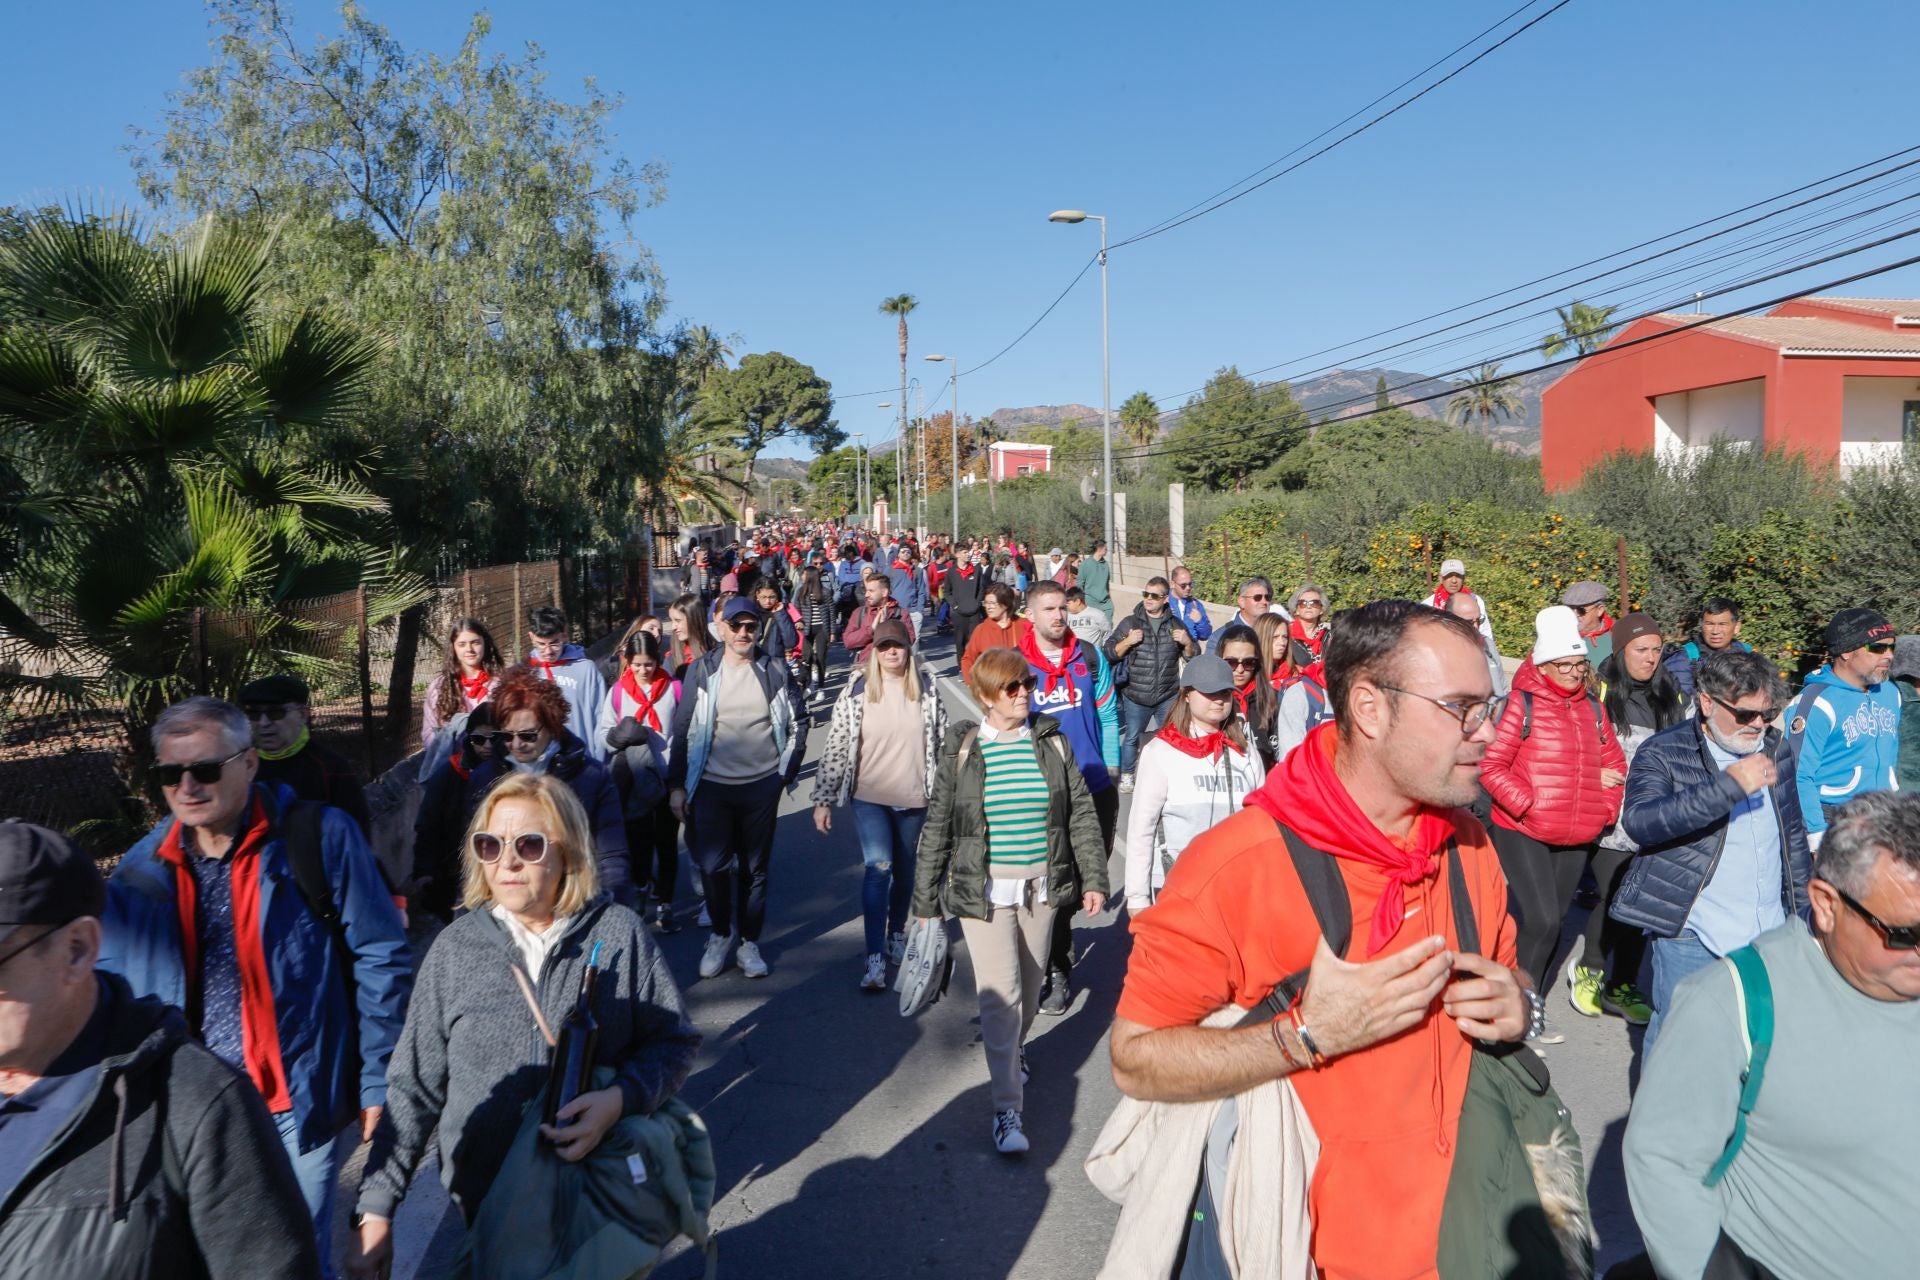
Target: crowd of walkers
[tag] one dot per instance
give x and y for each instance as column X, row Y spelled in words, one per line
column 1352, row 846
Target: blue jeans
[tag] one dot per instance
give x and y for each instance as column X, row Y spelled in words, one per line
column 1674, row 960
column 318, row 1173
column 889, row 838
column 1135, row 721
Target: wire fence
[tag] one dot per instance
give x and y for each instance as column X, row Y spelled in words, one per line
column 75, row 768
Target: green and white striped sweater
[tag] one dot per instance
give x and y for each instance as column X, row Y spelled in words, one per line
column 1016, row 803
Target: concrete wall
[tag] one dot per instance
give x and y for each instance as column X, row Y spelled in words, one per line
column 1870, row 418
column 1686, row 421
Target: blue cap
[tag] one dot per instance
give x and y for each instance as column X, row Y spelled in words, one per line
column 739, row 607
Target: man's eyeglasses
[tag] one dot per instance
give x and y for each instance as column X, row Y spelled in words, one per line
column 1471, row 715
column 528, row 846
column 270, row 711
column 205, row 772
column 1153, row 595
column 1257, row 599
column 507, row 737
column 1744, row 715
column 1898, row 937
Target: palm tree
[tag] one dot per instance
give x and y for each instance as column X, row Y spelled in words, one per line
column 1139, row 419
column 899, row 305
column 1584, row 328
column 159, row 427
column 693, row 477
column 701, row 351
column 1488, row 397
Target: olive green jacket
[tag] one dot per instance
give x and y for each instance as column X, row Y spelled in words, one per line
column 953, row 844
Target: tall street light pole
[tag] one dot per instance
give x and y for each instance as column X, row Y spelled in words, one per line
column 1106, row 368
column 953, row 436
column 859, row 470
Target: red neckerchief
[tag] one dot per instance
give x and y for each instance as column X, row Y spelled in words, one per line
column 542, row 665
column 1240, row 696
column 1315, row 642
column 1606, row 625
column 1281, row 678
column 1441, row 595
column 902, row 564
column 645, row 700
column 1307, row 795
column 475, row 690
column 966, row 571
column 1030, row 650
column 1207, row 748
column 1316, row 672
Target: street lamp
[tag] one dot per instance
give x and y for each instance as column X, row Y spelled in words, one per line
column 1071, row 216
column 954, row 441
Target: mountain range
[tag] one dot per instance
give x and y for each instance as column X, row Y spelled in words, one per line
column 1338, row 393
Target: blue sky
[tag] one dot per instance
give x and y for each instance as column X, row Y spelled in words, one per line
column 823, row 156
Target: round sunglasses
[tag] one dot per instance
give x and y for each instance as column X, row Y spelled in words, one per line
column 528, row 846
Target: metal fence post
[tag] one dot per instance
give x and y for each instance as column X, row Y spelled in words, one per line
column 365, row 664
column 519, row 632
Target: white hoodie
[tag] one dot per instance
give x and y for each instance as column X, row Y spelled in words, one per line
column 1176, row 797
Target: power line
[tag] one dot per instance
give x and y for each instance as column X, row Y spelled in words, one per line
column 1351, row 134
column 1213, row 439
column 1352, row 115
column 1562, row 288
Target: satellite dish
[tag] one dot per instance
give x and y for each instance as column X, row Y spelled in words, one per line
column 1086, row 489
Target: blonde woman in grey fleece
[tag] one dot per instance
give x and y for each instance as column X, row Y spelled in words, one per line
column 472, row 1055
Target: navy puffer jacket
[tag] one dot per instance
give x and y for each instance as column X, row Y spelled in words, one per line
column 1678, row 802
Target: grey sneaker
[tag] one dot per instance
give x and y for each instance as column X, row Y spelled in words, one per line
column 714, row 958
column 1009, row 1137
column 1058, row 997
column 896, row 947
column 752, row 964
column 876, row 976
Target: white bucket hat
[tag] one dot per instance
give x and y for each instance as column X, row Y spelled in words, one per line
column 1556, row 635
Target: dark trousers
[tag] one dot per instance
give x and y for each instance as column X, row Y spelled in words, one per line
column 653, row 849
column 815, row 654
column 963, row 625
column 1541, row 880
column 1106, row 804
column 1608, row 945
column 730, row 838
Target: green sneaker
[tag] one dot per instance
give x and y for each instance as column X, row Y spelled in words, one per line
column 1627, row 1001
column 1583, row 990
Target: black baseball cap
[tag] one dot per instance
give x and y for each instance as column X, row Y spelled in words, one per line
column 45, row 879
column 275, row 690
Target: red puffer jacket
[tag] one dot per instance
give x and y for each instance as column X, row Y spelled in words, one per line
column 1548, row 784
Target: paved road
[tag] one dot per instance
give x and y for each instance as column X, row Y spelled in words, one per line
column 852, row 1142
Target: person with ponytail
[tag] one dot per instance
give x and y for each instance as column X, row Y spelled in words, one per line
column 633, row 725
column 467, row 678
column 1197, row 771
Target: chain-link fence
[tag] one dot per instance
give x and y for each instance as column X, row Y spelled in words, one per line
column 74, row 768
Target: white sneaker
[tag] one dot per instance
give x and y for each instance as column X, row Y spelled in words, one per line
column 896, row 947
column 1126, row 782
column 1009, row 1138
column 714, row 958
column 876, row 976
column 752, row 964
column 706, row 917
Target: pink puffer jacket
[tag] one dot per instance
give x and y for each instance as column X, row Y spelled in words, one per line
column 1548, row 784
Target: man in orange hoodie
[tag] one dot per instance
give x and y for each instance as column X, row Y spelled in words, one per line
column 1380, row 1044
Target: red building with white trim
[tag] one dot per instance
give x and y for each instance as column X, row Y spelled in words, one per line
column 1010, row 460
column 1835, row 378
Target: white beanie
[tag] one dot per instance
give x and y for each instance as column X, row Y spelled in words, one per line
column 1556, row 635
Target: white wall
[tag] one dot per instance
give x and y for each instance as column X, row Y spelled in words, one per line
column 1870, row 410
column 1686, row 421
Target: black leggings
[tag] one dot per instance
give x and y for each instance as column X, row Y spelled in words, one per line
column 1606, row 943
column 815, row 654
column 1541, row 880
column 653, row 848
column 1106, row 805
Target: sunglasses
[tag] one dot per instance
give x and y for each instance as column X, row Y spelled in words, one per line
column 1259, row 599
column 1898, row 937
column 506, row 738
column 1012, row 687
column 480, row 741
column 1741, row 715
column 1153, row 595
column 1313, row 604
column 528, row 846
column 205, row 772
column 274, row 712
column 1241, row 662
column 741, row 624
column 1879, row 646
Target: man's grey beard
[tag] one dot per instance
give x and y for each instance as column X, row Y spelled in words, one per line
column 1737, row 748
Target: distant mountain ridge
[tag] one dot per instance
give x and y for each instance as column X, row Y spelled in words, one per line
column 1339, row 393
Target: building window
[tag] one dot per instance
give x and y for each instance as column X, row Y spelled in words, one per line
column 1910, row 422
column 1027, row 471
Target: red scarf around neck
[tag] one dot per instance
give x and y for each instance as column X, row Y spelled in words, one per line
column 475, row 690
column 1030, row 650
column 1204, row 748
column 1305, row 793
column 1315, row 641
column 1241, row 696
column 645, row 700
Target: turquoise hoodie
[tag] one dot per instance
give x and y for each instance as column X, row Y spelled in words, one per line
column 1848, row 744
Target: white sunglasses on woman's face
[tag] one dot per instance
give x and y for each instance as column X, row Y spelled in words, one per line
column 529, row 846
